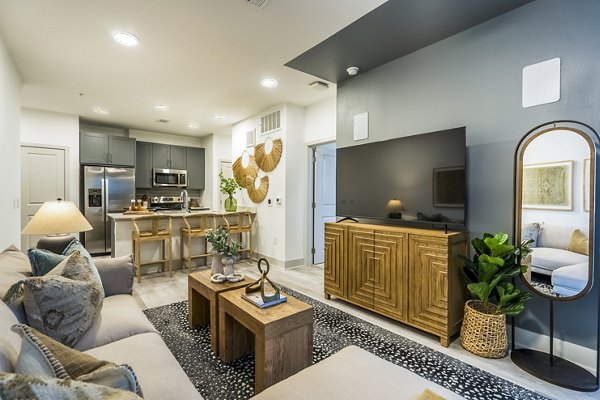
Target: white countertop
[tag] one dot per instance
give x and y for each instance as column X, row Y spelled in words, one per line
column 174, row 214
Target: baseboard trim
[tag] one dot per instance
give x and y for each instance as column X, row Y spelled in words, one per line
column 284, row 264
column 580, row 355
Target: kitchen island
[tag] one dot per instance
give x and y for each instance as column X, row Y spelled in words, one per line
column 121, row 229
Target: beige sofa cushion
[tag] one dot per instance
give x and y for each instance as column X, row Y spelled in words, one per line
column 353, row 373
column 10, row 342
column 158, row 373
column 120, row 317
column 14, row 266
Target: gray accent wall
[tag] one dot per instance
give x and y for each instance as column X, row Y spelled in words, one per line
column 473, row 79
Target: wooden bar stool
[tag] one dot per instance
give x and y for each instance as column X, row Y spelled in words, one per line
column 195, row 226
column 160, row 231
column 242, row 224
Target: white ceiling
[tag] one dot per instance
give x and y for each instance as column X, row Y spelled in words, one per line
column 200, row 57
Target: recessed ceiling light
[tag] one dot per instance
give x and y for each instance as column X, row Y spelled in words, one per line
column 126, row 38
column 194, row 125
column 218, row 116
column 161, row 107
column 100, row 110
column 269, row 82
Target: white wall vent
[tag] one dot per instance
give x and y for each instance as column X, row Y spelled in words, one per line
column 258, row 3
column 270, row 122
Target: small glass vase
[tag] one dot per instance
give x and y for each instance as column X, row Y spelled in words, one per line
column 228, row 266
column 230, row 204
column 216, row 266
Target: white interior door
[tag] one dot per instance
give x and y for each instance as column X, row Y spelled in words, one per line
column 324, row 196
column 227, row 173
column 42, row 179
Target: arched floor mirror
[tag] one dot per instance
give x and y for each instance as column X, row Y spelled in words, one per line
column 555, row 204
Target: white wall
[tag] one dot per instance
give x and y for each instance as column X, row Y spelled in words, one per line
column 221, row 152
column 10, row 154
column 166, row 138
column 319, row 123
column 48, row 128
column 296, row 169
column 560, row 146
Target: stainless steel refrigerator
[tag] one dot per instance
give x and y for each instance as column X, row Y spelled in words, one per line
column 105, row 190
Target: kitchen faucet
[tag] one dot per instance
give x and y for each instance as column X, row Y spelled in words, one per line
column 185, row 200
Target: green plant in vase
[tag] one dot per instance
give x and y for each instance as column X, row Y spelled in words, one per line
column 230, row 253
column 218, row 239
column 229, row 186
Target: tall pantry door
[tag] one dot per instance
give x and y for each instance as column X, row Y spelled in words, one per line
column 42, row 179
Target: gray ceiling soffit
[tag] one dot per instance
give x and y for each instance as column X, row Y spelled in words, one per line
column 393, row 30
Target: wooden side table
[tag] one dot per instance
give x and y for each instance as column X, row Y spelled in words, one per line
column 203, row 302
column 281, row 336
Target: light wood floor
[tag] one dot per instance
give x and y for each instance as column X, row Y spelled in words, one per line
column 157, row 289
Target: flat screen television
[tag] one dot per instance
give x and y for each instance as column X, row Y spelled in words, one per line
column 417, row 180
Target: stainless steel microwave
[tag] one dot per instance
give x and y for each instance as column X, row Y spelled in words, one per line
column 169, row 177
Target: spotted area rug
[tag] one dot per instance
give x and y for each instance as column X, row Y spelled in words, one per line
column 334, row 330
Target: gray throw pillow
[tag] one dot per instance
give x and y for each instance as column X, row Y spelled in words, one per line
column 43, row 261
column 75, row 245
column 530, row 231
column 44, row 357
column 64, row 303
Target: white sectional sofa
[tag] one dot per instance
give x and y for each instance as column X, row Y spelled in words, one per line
column 551, row 256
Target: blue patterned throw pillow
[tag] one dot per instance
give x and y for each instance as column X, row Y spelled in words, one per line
column 43, row 261
column 76, row 245
column 531, row 231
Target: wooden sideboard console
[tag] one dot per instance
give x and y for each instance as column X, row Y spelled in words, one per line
column 408, row 274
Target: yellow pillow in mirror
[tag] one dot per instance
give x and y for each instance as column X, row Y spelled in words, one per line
column 579, row 242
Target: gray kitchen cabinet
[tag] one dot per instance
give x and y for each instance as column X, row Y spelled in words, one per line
column 143, row 165
column 178, row 157
column 121, row 150
column 169, row 157
column 195, row 167
column 104, row 149
column 93, row 148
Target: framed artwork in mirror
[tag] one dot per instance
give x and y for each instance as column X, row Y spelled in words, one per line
column 548, row 186
column 586, row 185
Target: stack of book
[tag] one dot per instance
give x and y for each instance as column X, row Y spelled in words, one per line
column 256, row 299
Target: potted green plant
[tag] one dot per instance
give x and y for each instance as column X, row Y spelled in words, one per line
column 218, row 238
column 489, row 277
column 229, row 186
column 230, row 253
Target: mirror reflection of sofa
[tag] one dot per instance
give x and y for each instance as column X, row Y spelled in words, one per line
column 560, row 252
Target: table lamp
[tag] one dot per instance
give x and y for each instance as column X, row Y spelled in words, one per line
column 395, row 206
column 56, row 219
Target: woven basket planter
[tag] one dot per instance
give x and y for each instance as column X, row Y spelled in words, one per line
column 483, row 332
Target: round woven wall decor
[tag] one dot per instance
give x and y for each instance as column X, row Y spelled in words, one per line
column 258, row 194
column 267, row 161
column 241, row 172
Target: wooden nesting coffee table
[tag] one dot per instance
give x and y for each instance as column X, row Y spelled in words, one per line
column 203, row 302
column 281, row 336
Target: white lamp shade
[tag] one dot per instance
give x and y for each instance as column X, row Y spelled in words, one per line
column 395, row 204
column 55, row 217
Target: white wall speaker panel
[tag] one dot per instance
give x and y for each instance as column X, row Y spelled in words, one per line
column 541, row 83
column 361, row 126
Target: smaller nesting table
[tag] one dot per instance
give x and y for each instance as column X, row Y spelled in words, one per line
column 281, row 336
column 203, row 302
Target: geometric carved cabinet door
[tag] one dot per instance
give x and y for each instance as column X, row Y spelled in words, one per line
column 361, row 262
column 428, row 283
column 390, row 273
column 335, row 260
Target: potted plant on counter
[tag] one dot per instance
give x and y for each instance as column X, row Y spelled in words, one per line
column 229, row 186
column 489, row 280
